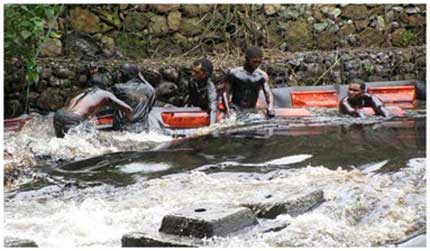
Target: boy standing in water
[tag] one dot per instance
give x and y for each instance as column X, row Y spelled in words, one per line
column 244, row 84
column 202, row 91
column 358, row 98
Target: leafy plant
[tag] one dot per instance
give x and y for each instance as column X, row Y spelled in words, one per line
column 369, row 68
column 407, row 38
column 24, row 32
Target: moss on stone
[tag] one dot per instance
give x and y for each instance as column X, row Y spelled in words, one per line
column 133, row 45
column 298, row 36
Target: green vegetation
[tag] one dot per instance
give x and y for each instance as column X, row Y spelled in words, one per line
column 369, row 68
column 407, row 38
column 25, row 28
column 134, row 44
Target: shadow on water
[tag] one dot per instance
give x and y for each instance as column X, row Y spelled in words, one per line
column 346, row 146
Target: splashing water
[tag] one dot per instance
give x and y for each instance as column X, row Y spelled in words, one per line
column 363, row 207
column 360, row 210
column 37, row 143
column 37, row 139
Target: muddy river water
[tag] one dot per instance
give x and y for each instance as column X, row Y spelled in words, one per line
column 92, row 187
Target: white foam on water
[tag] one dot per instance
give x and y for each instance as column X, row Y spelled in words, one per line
column 373, row 167
column 150, row 136
column 288, row 160
column 359, row 210
column 144, row 167
column 37, row 139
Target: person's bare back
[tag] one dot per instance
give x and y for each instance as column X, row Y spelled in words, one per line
column 90, row 102
column 85, row 105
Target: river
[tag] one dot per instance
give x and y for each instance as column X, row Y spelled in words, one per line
column 93, row 186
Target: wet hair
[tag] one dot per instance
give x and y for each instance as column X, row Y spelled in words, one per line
column 205, row 64
column 130, row 71
column 92, row 65
column 360, row 82
column 253, row 52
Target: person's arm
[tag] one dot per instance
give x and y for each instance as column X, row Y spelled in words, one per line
column 226, row 93
column 346, row 108
column 121, row 105
column 269, row 97
column 212, row 95
column 378, row 107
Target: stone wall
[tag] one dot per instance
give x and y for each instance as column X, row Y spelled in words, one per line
column 173, row 29
column 62, row 79
column 313, row 44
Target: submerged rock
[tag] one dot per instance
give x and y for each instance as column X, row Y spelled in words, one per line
column 12, row 242
column 207, row 220
column 273, row 205
column 138, row 239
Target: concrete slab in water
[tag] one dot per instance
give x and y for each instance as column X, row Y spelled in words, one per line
column 139, row 239
column 12, row 242
column 208, row 220
column 274, row 204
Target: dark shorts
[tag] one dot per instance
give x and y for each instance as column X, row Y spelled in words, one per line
column 64, row 120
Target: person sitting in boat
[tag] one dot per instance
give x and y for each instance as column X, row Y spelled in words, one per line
column 84, row 106
column 202, row 92
column 358, row 98
column 244, row 84
column 139, row 94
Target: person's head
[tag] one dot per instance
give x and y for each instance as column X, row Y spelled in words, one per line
column 356, row 89
column 129, row 71
column 93, row 68
column 201, row 69
column 253, row 58
column 166, row 89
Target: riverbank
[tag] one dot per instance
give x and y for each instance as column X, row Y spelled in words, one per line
column 61, row 78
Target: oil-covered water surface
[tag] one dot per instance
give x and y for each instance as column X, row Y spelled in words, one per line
column 372, row 176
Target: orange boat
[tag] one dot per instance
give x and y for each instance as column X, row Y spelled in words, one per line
column 290, row 102
column 294, row 101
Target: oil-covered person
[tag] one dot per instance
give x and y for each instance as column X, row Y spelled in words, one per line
column 243, row 84
column 84, row 106
column 202, row 91
column 139, row 94
column 357, row 98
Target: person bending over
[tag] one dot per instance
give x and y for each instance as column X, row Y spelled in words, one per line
column 139, row 94
column 85, row 105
